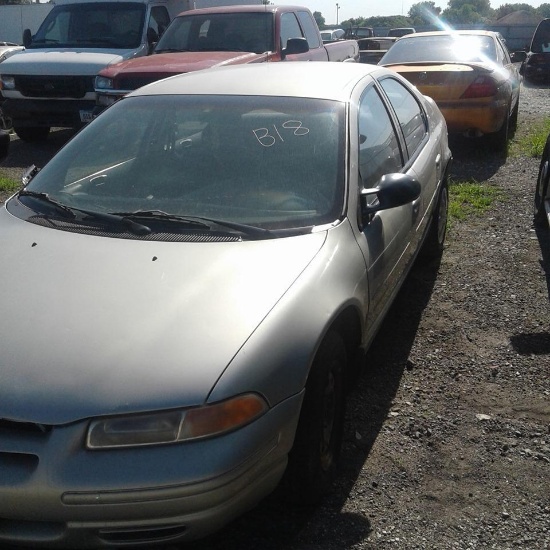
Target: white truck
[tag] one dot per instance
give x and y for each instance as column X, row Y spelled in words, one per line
column 51, row 82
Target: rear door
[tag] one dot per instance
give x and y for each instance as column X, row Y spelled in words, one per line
column 393, row 138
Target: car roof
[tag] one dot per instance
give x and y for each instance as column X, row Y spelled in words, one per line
column 451, row 33
column 268, row 8
column 322, row 80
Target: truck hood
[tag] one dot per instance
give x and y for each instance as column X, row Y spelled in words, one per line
column 181, row 62
column 61, row 62
column 95, row 325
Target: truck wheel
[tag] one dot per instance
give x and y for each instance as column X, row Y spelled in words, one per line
column 314, row 456
column 32, row 133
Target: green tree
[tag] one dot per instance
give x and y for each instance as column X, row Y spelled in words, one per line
column 464, row 15
column 506, row 9
column 544, row 10
column 317, row 15
column 483, row 7
column 389, row 22
column 424, row 13
column 6, row 2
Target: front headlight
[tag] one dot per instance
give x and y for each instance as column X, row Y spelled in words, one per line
column 7, row 82
column 103, row 83
column 175, row 426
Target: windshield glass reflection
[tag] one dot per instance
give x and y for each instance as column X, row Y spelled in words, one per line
column 268, row 162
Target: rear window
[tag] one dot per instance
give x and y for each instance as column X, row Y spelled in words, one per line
column 442, row 48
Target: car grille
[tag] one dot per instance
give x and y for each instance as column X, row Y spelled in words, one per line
column 54, row 86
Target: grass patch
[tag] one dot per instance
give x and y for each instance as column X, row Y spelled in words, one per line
column 9, row 184
column 531, row 143
column 470, row 198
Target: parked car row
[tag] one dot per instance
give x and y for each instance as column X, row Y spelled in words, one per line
column 52, row 83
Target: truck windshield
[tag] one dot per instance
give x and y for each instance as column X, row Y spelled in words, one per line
column 247, row 32
column 92, row 25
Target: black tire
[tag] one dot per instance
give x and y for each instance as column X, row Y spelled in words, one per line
column 499, row 139
column 313, row 459
column 32, row 133
column 514, row 120
column 542, row 190
column 435, row 239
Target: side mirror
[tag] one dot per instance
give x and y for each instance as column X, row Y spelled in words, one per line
column 4, row 144
column 393, row 190
column 518, row 57
column 295, row 45
column 27, row 38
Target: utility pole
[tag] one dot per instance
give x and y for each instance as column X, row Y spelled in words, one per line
column 337, row 9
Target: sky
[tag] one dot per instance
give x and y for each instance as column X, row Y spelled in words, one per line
column 361, row 8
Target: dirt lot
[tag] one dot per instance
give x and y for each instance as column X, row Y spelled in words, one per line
column 448, row 432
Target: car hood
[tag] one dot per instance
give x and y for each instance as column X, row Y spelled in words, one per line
column 180, row 62
column 94, row 325
column 61, row 62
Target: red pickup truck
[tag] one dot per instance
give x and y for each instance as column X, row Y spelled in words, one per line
column 230, row 35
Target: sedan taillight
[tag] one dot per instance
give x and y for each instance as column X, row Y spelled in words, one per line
column 482, row 86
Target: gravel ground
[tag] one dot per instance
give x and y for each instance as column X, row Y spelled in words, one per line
column 447, row 443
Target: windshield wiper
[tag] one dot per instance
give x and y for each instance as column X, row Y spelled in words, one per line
column 251, row 231
column 79, row 214
column 67, row 211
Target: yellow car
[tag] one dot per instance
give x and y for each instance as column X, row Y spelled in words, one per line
column 469, row 74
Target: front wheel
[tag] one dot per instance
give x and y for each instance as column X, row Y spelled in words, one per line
column 32, row 133
column 542, row 188
column 314, row 456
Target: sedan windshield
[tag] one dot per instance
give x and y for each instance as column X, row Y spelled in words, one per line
column 273, row 163
column 458, row 48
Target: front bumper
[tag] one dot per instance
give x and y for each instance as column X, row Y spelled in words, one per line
column 54, row 493
column 60, row 113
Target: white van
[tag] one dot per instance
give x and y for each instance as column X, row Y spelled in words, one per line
column 51, row 82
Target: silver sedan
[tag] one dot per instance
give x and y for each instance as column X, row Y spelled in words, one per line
column 193, row 281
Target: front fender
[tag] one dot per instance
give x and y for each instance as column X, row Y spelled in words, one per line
column 276, row 359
